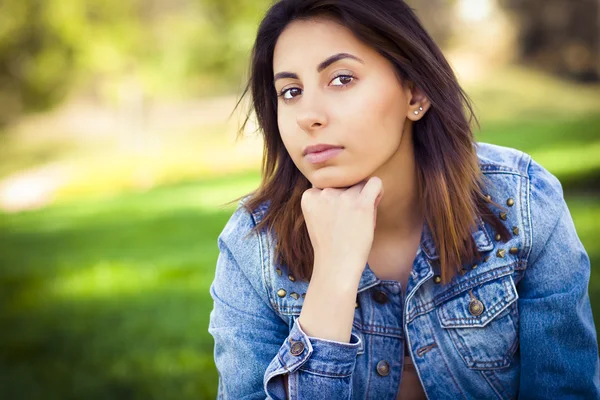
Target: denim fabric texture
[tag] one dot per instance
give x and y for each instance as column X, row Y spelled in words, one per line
column 534, row 339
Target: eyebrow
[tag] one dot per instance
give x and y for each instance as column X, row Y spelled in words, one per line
column 326, row 63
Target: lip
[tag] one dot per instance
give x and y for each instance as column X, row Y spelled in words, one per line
column 316, row 157
column 319, row 147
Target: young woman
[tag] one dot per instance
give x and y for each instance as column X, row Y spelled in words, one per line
column 386, row 254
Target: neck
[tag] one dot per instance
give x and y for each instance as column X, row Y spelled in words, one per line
column 400, row 213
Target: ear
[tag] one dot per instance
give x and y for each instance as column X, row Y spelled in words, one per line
column 418, row 103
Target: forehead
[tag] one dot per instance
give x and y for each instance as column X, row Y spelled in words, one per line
column 305, row 43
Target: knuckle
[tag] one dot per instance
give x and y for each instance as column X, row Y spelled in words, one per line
column 306, row 196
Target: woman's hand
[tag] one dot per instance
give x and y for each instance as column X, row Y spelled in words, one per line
column 341, row 225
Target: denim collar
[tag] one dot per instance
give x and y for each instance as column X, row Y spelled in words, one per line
column 480, row 235
column 423, row 265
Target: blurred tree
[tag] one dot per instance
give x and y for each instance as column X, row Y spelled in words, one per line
column 173, row 47
column 45, row 46
column 560, row 36
column 35, row 58
column 437, row 16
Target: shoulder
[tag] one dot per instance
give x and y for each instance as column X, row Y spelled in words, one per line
column 247, row 248
column 493, row 159
column 511, row 172
column 242, row 221
column 255, row 255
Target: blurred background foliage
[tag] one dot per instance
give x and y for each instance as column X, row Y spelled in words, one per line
column 117, row 156
column 174, row 48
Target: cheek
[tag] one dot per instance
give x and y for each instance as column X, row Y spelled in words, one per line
column 291, row 144
column 374, row 118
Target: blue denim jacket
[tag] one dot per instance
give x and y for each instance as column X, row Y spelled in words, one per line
column 534, row 339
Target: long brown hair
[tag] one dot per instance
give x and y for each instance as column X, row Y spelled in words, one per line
column 449, row 178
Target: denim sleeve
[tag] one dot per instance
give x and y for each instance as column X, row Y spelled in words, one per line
column 558, row 343
column 254, row 348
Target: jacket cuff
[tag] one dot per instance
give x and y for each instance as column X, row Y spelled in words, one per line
column 313, row 355
column 325, row 357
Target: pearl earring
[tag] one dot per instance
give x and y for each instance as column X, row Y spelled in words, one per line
column 417, row 112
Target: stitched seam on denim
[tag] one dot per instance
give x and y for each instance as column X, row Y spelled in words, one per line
column 492, row 311
column 461, row 347
column 483, row 373
column 313, row 371
column 513, row 347
column 391, row 335
column 425, row 308
column 293, row 365
column 361, row 347
column 502, row 172
column 482, row 278
column 489, row 169
column 369, row 285
column 296, row 383
column 384, row 327
column 369, row 369
column 544, row 247
column 483, row 365
column 346, row 346
column 414, row 315
column 409, row 319
column 265, row 274
column 527, row 233
column 450, row 372
column 485, row 232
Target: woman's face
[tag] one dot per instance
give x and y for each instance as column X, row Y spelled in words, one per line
column 356, row 103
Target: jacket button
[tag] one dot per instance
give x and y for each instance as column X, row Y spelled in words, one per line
column 380, row 297
column 383, row 368
column 475, row 307
column 498, row 237
column 281, row 293
column 437, row 279
column 297, row 348
column 514, row 250
column 510, row 202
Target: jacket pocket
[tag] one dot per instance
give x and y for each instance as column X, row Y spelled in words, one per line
column 483, row 323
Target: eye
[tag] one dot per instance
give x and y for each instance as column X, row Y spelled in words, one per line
column 291, row 91
column 344, row 79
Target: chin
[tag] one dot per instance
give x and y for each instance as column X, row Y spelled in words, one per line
column 331, row 177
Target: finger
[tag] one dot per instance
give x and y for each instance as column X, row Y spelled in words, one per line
column 375, row 218
column 379, row 197
column 357, row 188
column 372, row 189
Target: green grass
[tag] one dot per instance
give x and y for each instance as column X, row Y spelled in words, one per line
column 108, row 298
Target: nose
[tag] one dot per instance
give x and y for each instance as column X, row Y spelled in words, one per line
column 311, row 115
